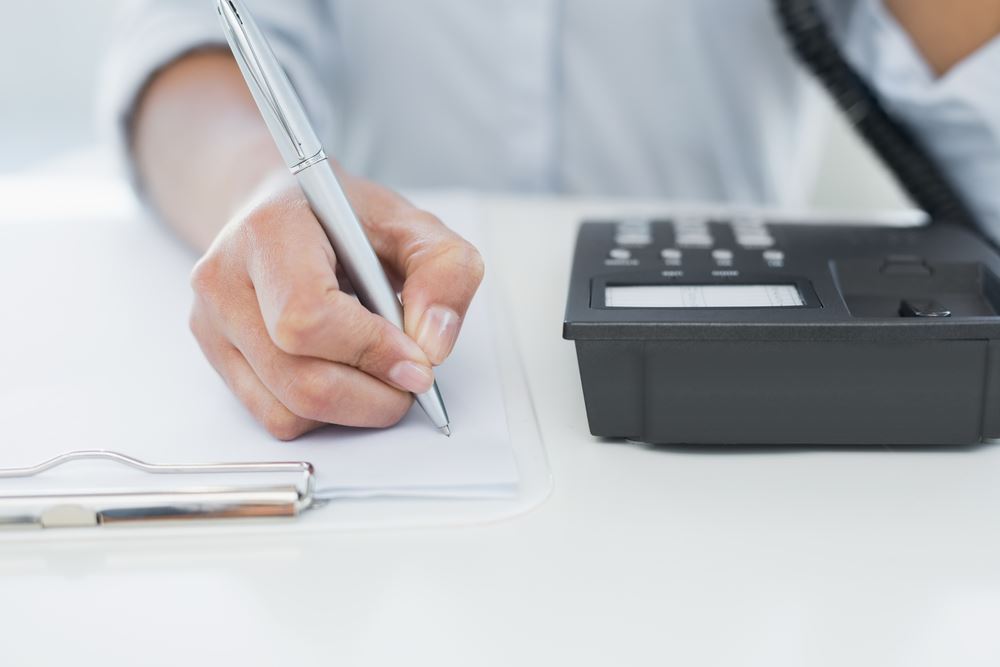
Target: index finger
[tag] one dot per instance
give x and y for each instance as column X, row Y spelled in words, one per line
column 292, row 270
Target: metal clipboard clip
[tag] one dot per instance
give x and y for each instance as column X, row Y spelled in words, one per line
column 102, row 508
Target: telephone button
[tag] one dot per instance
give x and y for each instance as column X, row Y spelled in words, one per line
column 723, row 257
column 672, row 256
column 774, row 258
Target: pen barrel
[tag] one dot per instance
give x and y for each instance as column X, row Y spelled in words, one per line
column 362, row 266
column 350, row 242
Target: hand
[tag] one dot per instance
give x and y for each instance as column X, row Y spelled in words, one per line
column 271, row 317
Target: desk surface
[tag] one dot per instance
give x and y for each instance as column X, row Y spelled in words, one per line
column 640, row 556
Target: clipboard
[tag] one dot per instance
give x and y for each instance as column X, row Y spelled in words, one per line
column 95, row 257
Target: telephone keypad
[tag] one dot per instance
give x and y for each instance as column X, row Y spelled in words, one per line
column 697, row 243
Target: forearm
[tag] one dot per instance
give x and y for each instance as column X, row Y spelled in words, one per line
column 200, row 145
column 947, row 32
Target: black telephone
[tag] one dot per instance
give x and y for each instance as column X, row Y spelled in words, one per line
column 700, row 329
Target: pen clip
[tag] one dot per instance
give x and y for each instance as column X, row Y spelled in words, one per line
column 274, row 94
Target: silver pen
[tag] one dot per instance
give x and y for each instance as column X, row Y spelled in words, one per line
column 303, row 154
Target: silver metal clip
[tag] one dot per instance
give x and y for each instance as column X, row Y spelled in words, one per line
column 99, row 508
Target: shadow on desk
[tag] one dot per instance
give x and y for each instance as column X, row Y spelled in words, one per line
column 740, row 450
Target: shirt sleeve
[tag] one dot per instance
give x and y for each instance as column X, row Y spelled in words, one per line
column 151, row 34
column 956, row 116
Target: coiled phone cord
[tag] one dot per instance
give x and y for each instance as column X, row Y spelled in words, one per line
column 914, row 169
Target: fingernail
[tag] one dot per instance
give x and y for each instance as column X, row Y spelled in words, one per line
column 412, row 377
column 437, row 333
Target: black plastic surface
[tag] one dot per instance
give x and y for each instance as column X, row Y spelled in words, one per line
column 897, row 342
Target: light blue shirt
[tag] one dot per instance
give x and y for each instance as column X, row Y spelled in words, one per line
column 689, row 99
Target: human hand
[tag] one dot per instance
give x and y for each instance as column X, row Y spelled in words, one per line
column 271, row 316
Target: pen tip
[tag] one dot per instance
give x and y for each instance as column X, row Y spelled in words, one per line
column 446, row 430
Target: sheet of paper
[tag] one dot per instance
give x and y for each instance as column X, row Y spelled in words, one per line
column 96, row 353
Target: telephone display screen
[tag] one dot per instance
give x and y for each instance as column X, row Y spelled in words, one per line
column 702, row 296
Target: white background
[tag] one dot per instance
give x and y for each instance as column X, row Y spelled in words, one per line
column 49, row 55
column 50, row 52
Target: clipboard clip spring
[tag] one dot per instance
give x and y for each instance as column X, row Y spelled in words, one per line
column 103, row 508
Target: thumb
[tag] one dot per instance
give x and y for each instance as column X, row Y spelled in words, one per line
column 440, row 270
column 441, row 273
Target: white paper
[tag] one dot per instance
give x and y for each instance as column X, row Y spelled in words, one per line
column 96, row 354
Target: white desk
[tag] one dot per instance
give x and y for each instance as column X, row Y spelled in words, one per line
column 674, row 556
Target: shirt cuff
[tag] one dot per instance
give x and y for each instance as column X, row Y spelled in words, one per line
column 150, row 42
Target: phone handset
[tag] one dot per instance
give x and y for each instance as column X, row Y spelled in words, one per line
column 897, row 146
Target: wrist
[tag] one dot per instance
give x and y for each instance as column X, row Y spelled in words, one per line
column 252, row 171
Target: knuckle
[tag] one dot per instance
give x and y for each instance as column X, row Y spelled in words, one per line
column 463, row 254
column 272, row 215
column 310, row 394
column 296, row 325
column 257, row 222
column 282, row 424
column 472, row 260
column 206, row 275
column 417, row 241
